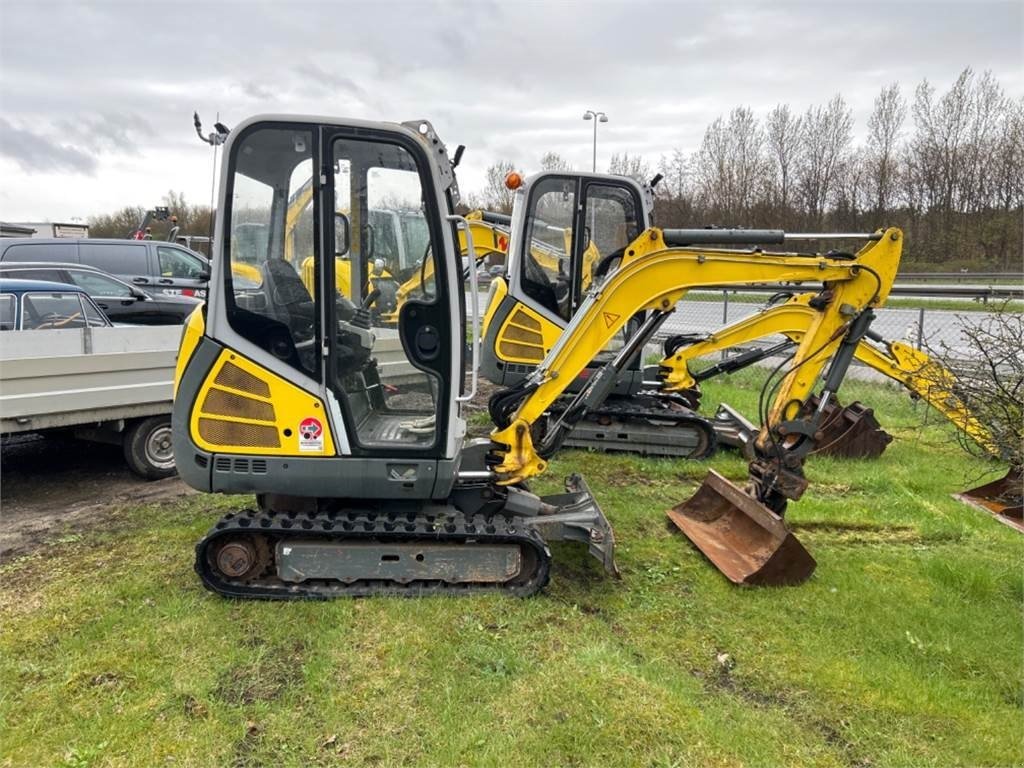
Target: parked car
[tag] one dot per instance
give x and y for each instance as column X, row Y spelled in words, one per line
column 154, row 265
column 121, row 302
column 27, row 305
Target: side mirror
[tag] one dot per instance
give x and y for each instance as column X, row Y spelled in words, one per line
column 369, row 247
column 342, row 234
column 140, row 295
column 204, row 275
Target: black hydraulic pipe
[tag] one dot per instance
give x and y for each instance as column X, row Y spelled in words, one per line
column 679, row 237
column 496, row 218
column 841, row 361
column 712, row 236
column 741, row 361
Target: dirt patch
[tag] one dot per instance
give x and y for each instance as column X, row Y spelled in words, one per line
column 264, row 678
column 720, row 679
column 52, row 487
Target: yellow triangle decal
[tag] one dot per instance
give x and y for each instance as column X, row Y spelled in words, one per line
column 609, row 319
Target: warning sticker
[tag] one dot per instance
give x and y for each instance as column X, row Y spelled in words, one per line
column 311, row 435
column 609, row 319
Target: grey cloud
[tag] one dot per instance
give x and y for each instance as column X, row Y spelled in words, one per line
column 508, row 80
column 36, row 153
column 115, row 132
column 256, row 91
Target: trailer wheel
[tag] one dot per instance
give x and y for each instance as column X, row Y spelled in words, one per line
column 147, row 448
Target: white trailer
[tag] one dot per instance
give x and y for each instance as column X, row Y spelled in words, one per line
column 115, row 385
column 112, row 385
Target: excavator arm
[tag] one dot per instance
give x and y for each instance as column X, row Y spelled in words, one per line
column 923, row 376
column 653, row 277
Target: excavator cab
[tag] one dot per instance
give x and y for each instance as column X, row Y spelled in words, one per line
column 564, row 228
column 299, row 375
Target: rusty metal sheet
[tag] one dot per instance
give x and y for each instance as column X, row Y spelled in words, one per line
column 1002, row 498
column 852, row 432
column 742, row 538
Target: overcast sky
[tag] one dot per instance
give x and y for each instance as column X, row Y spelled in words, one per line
column 96, row 98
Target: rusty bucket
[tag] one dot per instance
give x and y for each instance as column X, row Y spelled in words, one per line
column 1001, row 497
column 852, row 432
column 742, row 538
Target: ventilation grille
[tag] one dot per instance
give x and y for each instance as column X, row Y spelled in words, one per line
column 239, row 466
column 521, row 351
column 219, row 402
column 521, row 338
column 202, row 461
column 522, row 319
column 234, row 433
column 233, row 376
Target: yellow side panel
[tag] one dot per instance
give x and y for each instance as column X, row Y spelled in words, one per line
column 195, row 327
column 525, row 336
column 243, row 408
column 498, row 291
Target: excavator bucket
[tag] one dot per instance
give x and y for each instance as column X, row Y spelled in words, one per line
column 1002, row 497
column 742, row 538
column 852, row 432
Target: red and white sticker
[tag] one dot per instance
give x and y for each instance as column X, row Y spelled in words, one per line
column 311, row 435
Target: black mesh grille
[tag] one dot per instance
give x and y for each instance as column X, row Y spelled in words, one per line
column 221, row 403
column 233, row 376
column 233, row 433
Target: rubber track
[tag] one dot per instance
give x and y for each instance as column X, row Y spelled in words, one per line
column 377, row 527
column 632, row 409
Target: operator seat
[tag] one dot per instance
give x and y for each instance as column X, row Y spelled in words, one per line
column 289, row 299
column 292, row 306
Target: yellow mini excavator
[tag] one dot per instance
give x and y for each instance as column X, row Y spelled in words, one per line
column 599, row 214
column 364, row 482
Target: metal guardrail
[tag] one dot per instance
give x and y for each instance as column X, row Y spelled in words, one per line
column 961, row 276
column 983, row 293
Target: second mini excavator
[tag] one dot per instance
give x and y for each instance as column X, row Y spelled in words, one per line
column 589, row 219
column 366, row 485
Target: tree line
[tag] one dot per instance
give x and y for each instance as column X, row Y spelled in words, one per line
column 948, row 168
column 191, row 219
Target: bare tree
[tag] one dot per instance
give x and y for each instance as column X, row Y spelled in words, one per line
column 783, row 133
column 884, row 127
column 731, row 165
column 497, row 196
column 990, row 387
column 633, row 166
column 552, row 161
column 827, row 133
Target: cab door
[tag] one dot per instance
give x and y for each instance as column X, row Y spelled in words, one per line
column 394, row 383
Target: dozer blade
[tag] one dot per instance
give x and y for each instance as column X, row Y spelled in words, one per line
column 1002, row 498
column 742, row 538
column 852, row 432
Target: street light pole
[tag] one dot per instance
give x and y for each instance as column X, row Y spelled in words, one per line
column 597, row 117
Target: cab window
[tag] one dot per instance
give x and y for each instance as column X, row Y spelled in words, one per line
column 546, row 261
column 99, row 285
column 175, row 263
column 271, row 239
column 611, row 222
column 52, row 310
column 7, row 312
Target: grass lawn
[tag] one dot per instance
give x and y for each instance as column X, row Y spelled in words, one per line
column 905, row 648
